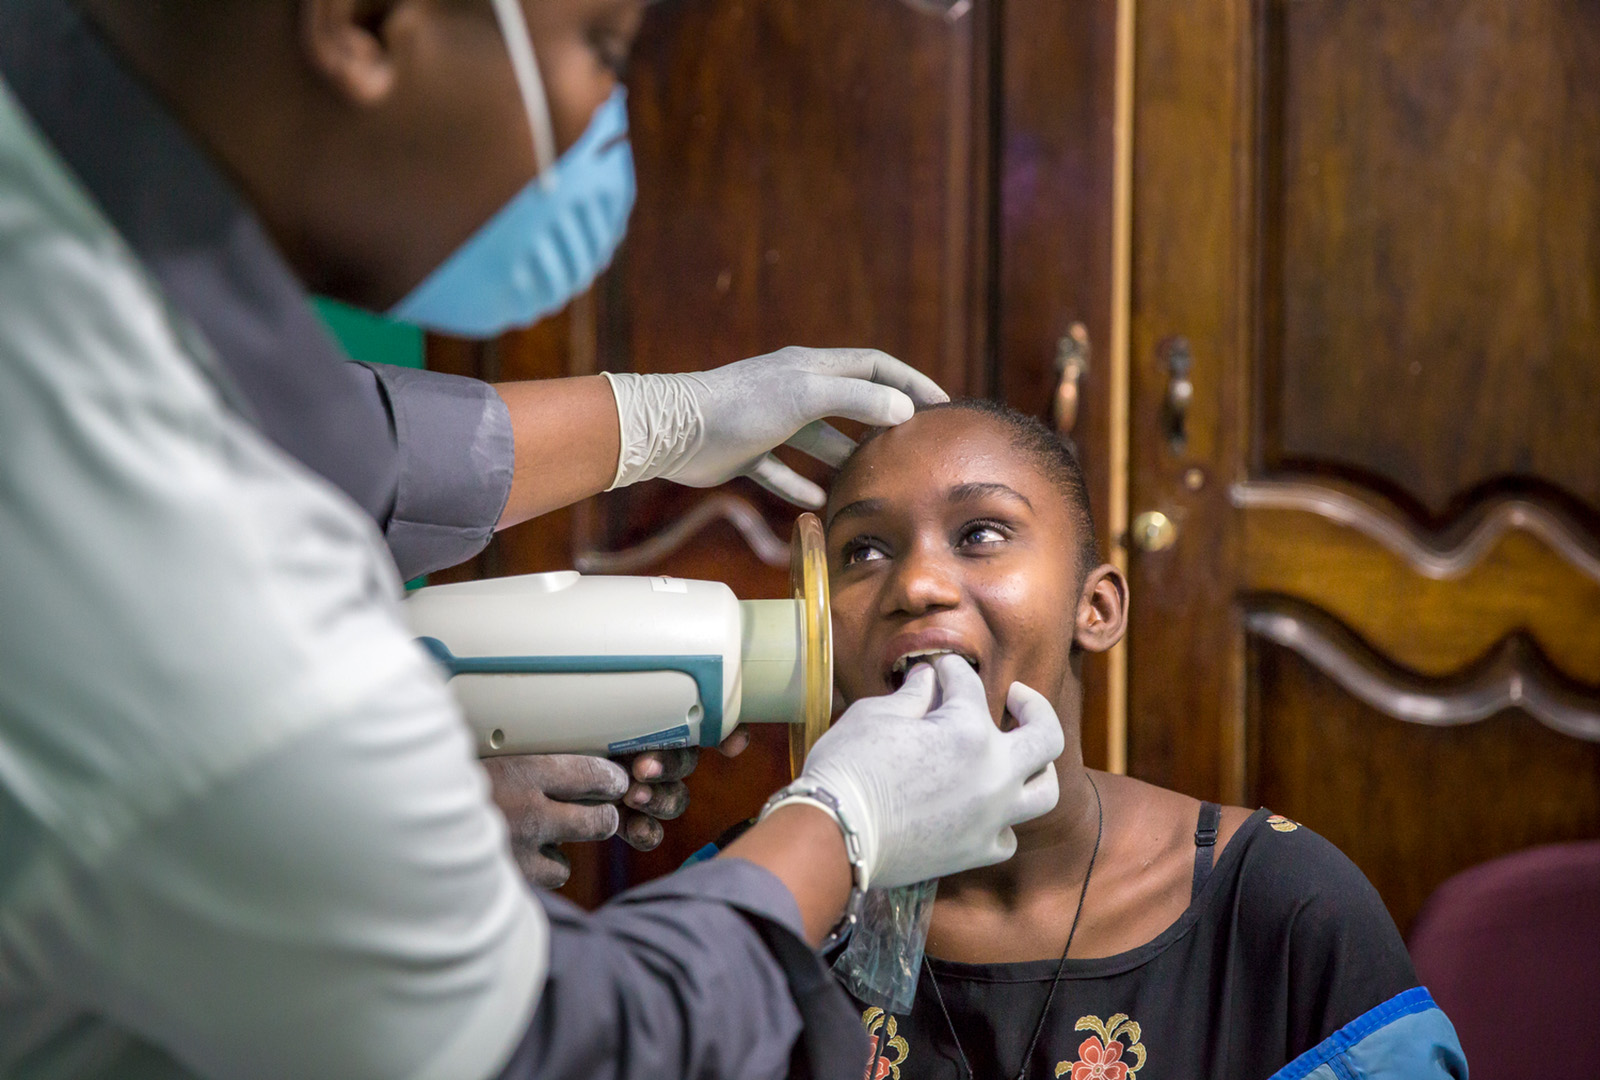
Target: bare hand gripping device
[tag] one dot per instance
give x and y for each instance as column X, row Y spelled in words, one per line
column 568, row 663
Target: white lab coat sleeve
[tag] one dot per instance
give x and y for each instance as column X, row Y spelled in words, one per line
column 343, row 908
column 242, row 832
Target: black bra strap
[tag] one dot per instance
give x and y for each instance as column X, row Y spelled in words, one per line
column 1205, row 844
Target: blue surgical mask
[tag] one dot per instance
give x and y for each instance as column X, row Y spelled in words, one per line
column 552, row 240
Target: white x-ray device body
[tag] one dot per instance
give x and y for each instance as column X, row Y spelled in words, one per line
column 570, row 663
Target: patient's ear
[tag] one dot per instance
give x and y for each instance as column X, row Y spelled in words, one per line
column 1102, row 609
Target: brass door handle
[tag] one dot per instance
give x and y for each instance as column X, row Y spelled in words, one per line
column 1072, row 364
column 1174, row 353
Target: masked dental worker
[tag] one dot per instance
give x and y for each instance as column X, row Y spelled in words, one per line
column 242, row 830
column 245, row 151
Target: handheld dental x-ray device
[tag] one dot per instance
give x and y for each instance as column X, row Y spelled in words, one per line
column 569, row 663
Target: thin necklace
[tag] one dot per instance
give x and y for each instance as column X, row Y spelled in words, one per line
column 1044, row 1013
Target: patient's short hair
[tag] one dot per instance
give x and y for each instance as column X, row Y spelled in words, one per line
column 1054, row 457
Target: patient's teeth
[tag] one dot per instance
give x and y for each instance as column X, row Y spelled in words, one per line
column 905, row 662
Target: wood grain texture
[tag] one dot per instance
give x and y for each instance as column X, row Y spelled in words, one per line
column 1375, row 225
column 1052, row 246
column 1432, row 267
column 1410, row 804
column 1438, row 554
column 1433, row 625
column 753, row 530
column 1514, row 674
column 1192, row 215
column 808, row 174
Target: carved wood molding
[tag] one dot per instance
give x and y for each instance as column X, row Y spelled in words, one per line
column 1427, row 553
column 1514, row 675
column 739, row 513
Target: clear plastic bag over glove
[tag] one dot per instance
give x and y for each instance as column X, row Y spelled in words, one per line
column 928, row 781
column 704, row 428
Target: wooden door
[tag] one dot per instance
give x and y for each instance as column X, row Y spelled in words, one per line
column 1374, row 228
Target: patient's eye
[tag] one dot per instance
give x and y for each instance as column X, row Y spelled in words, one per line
column 862, row 549
column 980, row 533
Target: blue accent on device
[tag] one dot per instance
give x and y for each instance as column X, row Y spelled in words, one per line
column 670, row 739
column 705, row 670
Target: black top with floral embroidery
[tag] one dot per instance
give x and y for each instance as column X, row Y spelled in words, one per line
column 1283, row 943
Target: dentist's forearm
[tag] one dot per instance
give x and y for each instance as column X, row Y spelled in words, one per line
column 567, row 442
column 803, row 848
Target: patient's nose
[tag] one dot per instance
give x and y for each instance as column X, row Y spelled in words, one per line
column 922, row 580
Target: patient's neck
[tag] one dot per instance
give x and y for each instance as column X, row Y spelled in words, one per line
column 1052, row 852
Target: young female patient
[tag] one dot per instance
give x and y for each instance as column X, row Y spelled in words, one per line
column 1198, row 942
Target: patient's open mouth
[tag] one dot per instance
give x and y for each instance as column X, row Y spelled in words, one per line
column 902, row 666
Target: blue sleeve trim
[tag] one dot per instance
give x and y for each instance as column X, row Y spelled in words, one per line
column 710, row 851
column 1445, row 1047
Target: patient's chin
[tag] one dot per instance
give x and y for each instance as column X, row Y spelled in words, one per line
column 846, row 696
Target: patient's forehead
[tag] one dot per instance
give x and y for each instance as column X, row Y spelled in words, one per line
column 935, row 449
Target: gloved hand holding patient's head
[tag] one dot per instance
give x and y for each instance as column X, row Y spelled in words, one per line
column 704, row 428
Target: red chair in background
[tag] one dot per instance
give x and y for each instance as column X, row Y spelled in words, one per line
column 1511, row 952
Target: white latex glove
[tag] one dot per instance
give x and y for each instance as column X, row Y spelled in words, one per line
column 704, row 428
column 928, row 780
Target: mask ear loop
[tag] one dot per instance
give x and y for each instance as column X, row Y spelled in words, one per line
column 525, row 66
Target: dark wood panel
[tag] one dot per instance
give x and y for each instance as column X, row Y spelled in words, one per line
column 1433, row 624
column 1432, row 266
column 1410, row 804
column 804, row 178
column 1372, row 311
column 809, row 173
column 1052, row 251
column 1514, row 673
column 1191, row 251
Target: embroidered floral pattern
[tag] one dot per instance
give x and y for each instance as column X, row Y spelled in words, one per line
column 882, row 1029
column 1100, row 1056
column 1282, row 824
